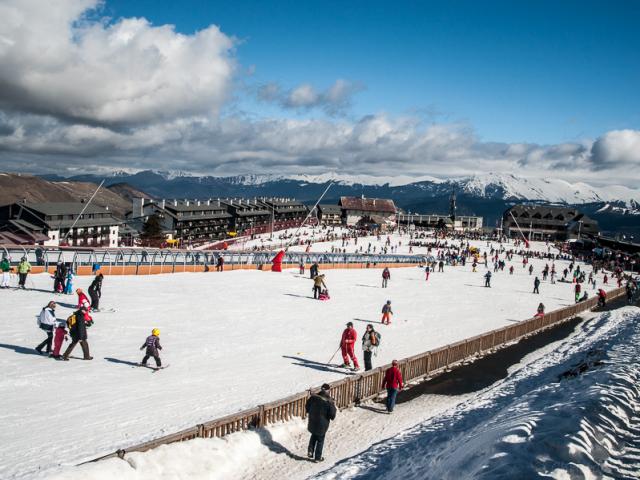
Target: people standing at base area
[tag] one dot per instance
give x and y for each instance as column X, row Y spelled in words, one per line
column 5, row 268
column 46, row 320
column 220, row 264
column 313, row 270
column 386, row 313
column 68, row 287
column 393, row 383
column 487, row 279
column 95, row 292
column 602, row 297
column 347, row 344
column 536, row 285
column 427, row 271
column 370, row 342
column 24, row 267
column 59, row 277
column 386, row 275
column 318, row 283
column 440, row 266
column 301, row 268
column 320, row 411
column 152, row 344
column 78, row 331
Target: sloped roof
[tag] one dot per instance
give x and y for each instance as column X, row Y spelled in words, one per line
column 63, row 208
column 377, row 205
column 330, row 209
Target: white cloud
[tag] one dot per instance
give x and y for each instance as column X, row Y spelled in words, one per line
column 57, row 62
column 615, row 148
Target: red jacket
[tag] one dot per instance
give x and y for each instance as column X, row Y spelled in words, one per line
column 83, row 301
column 349, row 336
column 393, row 378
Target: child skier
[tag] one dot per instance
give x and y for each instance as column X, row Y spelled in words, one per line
column 152, row 344
column 386, row 313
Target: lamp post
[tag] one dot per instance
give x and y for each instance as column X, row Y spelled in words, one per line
column 579, row 228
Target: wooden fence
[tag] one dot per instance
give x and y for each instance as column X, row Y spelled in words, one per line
column 355, row 389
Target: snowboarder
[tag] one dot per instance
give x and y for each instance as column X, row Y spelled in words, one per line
column 320, row 410
column 536, row 285
column 78, row 330
column 487, row 279
column 5, row 268
column 152, row 344
column 370, row 341
column 386, row 313
column 318, row 283
column 347, row 343
column 95, row 292
column 24, row 267
column 393, row 383
column 46, row 320
column 386, row 275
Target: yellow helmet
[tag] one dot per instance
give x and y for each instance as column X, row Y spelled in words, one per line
column 155, row 332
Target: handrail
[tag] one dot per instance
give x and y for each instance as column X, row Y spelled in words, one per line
column 355, row 389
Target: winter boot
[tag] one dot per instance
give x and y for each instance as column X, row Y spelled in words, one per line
column 85, row 350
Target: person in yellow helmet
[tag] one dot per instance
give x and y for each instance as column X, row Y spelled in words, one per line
column 152, row 344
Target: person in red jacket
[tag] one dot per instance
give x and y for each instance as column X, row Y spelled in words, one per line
column 393, row 383
column 348, row 341
column 84, row 304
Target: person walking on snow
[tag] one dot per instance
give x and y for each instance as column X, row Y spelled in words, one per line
column 320, row 411
column 301, row 268
column 24, row 267
column 386, row 275
column 427, row 270
column 530, row 269
column 386, row 313
column 393, row 383
column 5, row 268
column 318, row 283
column 313, row 270
column 487, row 279
column 78, row 330
column 370, row 341
column 95, row 292
column 347, row 344
column 536, row 285
column 46, row 320
column 152, row 344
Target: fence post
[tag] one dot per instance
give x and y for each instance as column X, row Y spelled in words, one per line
column 200, row 433
column 261, row 417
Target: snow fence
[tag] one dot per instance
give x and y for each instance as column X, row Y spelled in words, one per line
column 355, row 389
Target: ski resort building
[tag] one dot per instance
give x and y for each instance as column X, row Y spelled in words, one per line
column 249, row 216
column 60, row 223
column 286, row 212
column 544, row 222
column 369, row 211
column 461, row 223
column 186, row 220
column 329, row 214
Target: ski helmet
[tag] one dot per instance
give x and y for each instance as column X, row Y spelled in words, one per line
column 155, row 332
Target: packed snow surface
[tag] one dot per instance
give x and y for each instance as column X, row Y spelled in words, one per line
column 233, row 340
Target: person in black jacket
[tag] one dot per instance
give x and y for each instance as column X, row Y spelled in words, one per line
column 95, row 292
column 321, row 410
column 78, row 332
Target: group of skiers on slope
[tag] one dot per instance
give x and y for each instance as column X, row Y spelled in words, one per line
column 321, row 409
column 23, row 269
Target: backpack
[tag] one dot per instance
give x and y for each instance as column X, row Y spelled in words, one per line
column 375, row 339
column 71, row 321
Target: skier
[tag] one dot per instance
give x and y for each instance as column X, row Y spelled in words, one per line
column 318, row 283
column 370, row 340
column 386, row 275
column 78, row 330
column 602, row 297
column 5, row 268
column 152, row 343
column 24, row 267
column 386, row 313
column 320, row 410
column 46, row 320
column 60, row 332
column 536, row 285
column 95, row 292
column 487, row 279
column 393, row 382
column 68, row 286
column 347, row 343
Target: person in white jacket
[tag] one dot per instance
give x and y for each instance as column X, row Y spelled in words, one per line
column 46, row 320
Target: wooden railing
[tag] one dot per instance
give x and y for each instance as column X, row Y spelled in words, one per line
column 354, row 389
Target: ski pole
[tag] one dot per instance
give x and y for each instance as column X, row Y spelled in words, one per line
column 334, row 355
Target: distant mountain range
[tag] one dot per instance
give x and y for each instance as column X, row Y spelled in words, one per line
column 617, row 208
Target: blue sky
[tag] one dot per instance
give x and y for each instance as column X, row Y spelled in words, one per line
column 543, row 71
column 446, row 89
